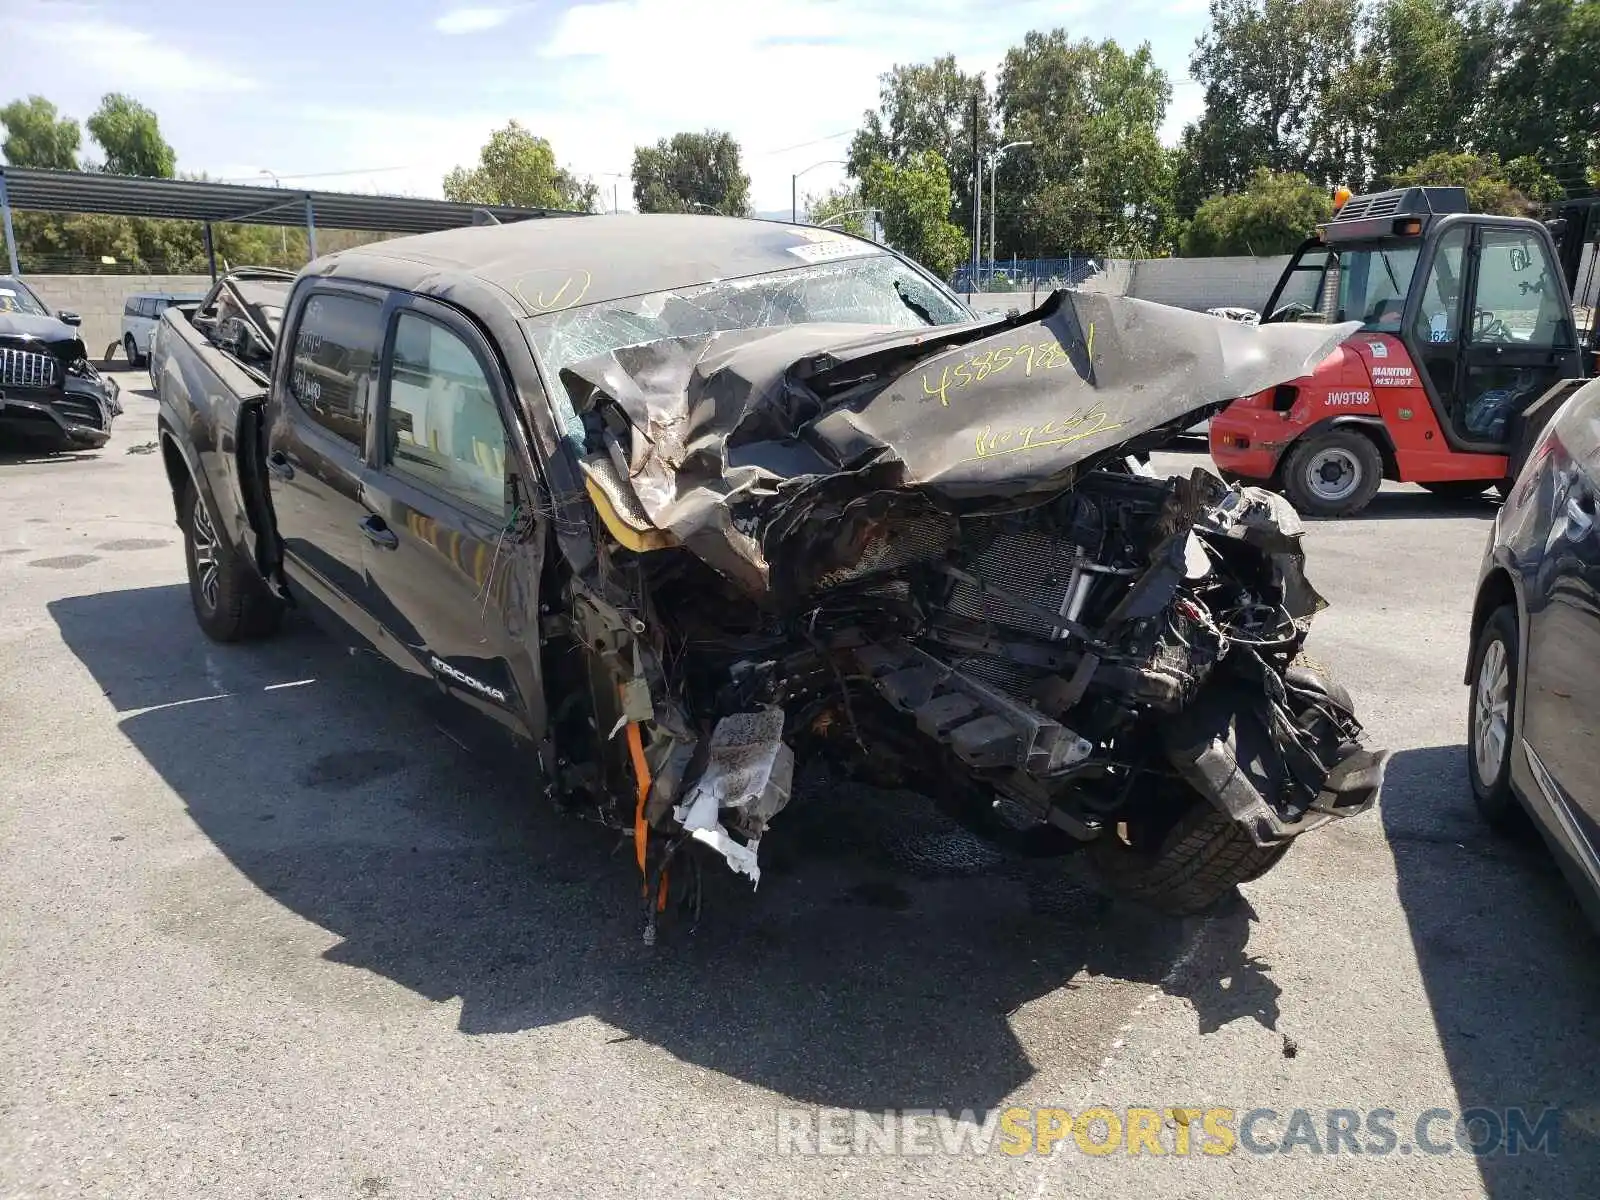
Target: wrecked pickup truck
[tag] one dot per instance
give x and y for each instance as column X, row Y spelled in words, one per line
column 685, row 501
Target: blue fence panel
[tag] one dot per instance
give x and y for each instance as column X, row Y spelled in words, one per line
column 1020, row 274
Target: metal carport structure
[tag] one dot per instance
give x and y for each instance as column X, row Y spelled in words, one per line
column 32, row 189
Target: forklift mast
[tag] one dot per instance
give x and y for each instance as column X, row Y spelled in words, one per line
column 1575, row 228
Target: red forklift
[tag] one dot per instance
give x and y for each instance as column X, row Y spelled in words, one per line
column 1469, row 341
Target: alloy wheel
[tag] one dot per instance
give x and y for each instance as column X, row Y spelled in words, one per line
column 1491, row 711
column 206, row 566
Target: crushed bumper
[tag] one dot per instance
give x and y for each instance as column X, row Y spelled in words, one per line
column 70, row 419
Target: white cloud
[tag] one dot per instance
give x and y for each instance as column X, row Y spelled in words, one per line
column 773, row 76
column 118, row 57
column 473, row 20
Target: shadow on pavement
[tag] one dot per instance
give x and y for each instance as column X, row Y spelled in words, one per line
column 1510, row 969
column 842, row 980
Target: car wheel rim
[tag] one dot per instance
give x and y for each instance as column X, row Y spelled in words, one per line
column 205, row 555
column 1333, row 474
column 1492, row 711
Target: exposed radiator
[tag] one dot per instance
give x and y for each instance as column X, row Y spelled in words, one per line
column 1029, row 564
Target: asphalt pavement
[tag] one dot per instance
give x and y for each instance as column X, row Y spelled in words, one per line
column 272, row 926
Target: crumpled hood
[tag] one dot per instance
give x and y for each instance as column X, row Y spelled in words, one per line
column 728, row 432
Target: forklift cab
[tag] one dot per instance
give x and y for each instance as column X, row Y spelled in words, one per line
column 1480, row 303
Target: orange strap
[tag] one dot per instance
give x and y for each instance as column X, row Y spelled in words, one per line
column 641, row 828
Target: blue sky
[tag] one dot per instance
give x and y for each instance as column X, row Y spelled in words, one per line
column 391, row 95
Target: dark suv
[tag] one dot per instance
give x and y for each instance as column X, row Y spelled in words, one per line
column 49, row 390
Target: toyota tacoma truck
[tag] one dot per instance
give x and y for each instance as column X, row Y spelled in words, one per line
column 688, row 502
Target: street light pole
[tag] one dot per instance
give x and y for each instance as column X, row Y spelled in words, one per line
column 994, row 170
column 794, row 186
column 283, row 231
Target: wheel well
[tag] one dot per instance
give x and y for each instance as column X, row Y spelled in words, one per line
column 1496, row 591
column 177, row 471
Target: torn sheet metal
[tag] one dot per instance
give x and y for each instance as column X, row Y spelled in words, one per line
column 722, row 433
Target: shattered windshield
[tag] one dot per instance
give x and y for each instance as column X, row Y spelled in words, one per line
column 877, row 290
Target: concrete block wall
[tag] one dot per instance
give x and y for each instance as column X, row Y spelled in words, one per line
column 99, row 299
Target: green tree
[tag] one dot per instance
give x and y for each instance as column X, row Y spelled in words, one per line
column 831, row 207
column 1416, row 68
column 1515, row 189
column 517, row 168
column 1272, row 216
column 1283, row 91
column 691, row 172
column 130, row 136
column 37, row 137
column 1095, row 178
column 921, row 107
column 1544, row 97
column 915, row 200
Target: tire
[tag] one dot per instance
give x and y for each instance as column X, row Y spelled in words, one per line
column 1313, row 493
column 1458, row 489
column 132, row 349
column 231, row 604
column 1196, row 863
column 1494, row 657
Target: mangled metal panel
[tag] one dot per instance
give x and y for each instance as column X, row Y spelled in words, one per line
column 726, row 430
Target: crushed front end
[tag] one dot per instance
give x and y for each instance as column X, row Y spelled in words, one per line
column 938, row 562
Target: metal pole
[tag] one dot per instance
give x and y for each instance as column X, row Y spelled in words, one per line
column 977, row 195
column 5, row 216
column 211, row 252
column 311, row 229
column 994, row 164
column 794, row 199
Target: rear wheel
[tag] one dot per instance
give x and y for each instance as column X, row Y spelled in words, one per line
column 230, row 602
column 1491, row 717
column 1184, row 857
column 1458, row 489
column 1332, row 474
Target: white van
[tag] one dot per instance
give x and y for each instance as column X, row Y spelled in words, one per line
column 140, row 315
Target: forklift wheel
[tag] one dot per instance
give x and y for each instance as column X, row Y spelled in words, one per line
column 1332, row 474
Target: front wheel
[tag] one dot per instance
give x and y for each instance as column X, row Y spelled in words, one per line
column 1185, row 863
column 132, row 348
column 1335, row 473
column 231, row 604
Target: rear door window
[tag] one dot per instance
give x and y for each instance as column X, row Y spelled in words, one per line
column 334, row 362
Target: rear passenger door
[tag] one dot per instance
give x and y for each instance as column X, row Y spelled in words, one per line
column 442, row 547
column 318, row 439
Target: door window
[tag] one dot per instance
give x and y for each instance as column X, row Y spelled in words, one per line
column 443, row 426
column 1439, row 311
column 1519, row 294
column 334, row 363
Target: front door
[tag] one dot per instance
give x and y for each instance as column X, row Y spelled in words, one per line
column 1519, row 336
column 319, row 419
column 452, row 563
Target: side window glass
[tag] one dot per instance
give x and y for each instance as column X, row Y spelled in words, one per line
column 443, row 426
column 335, row 361
column 130, row 308
column 1439, row 313
column 1519, row 293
